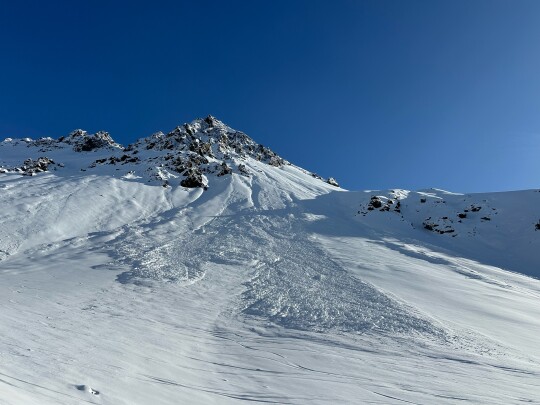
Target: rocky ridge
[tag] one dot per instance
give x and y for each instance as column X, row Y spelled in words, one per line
column 191, row 151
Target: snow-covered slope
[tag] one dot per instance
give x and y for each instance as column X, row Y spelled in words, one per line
column 200, row 267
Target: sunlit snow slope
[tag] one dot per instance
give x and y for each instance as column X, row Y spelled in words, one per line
column 199, row 267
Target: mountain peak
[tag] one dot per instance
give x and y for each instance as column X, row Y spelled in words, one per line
column 210, row 137
column 194, row 151
column 204, row 146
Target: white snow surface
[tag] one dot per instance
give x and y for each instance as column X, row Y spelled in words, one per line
column 119, row 286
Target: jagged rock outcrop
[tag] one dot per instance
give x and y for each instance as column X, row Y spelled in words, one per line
column 381, row 203
column 30, row 167
column 194, row 178
column 84, row 142
column 207, row 145
column 332, row 181
column 204, row 147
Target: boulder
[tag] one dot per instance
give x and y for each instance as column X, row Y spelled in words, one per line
column 224, row 169
column 332, row 182
column 194, row 178
column 243, row 169
column 375, row 202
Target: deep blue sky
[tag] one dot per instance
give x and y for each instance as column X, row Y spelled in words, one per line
column 379, row 94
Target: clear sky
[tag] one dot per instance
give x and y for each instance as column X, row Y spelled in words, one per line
column 379, row 94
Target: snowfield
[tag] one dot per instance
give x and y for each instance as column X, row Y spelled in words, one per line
column 203, row 268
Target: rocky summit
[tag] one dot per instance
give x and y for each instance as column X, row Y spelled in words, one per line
column 191, row 151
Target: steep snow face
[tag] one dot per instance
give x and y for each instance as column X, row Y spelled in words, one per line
column 247, row 278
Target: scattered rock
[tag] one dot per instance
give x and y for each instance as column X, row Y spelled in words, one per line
column 84, row 142
column 211, row 121
column 440, row 226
